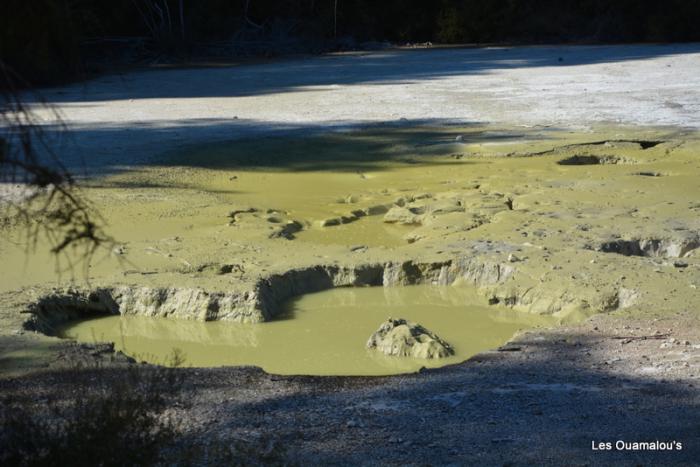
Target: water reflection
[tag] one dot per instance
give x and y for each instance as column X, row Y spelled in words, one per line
column 321, row 333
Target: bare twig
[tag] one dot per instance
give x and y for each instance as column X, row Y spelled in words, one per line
column 247, row 18
column 48, row 204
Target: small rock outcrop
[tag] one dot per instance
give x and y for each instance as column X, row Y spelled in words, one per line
column 403, row 338
column 401, row 215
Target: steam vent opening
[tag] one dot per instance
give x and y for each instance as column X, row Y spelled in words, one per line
column 323, row 333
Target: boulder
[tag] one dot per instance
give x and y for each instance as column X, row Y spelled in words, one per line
column 376, row 210
column 288, row 230
column 330, row 222
column 445, row 206
column 403, row 338
column 400, row 215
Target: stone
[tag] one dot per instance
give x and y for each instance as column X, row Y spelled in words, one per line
column 234, row 215
column 445, row 206
column 119, row 250
column 399, row 337
column 288, row 230
column 376, row 210
column 332, row 221
column 400, row 215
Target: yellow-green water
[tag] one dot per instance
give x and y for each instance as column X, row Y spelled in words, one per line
column 321, row 334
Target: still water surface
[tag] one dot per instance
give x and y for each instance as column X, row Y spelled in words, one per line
column 320, row 334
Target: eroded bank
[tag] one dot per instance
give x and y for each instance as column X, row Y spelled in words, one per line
column 542, row 221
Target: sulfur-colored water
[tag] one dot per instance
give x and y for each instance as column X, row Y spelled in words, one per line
column 209, row 218
column 175, row 216
column 320, row 334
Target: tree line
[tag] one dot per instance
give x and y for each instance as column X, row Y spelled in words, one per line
column 48, row 40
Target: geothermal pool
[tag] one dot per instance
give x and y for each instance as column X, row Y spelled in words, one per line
column 319, row 334
column 551, row 222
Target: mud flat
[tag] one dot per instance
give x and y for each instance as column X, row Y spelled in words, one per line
column 597, row 228
column 556, row 224
column 596, row 225
column 130, row 118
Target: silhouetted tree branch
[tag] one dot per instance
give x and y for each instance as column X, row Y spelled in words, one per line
column 38, row 192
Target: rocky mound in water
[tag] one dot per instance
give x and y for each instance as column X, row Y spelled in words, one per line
column 404, row 338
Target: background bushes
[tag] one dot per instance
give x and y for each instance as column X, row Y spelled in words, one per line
column 45, row 40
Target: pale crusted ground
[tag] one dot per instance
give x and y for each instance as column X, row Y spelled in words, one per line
column 122, row 119
column 628, row 375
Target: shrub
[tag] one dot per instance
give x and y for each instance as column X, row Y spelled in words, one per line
column 115, row 421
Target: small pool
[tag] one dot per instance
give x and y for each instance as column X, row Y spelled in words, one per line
column 319, row 334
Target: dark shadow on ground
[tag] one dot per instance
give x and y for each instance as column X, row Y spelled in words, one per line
column 494, row 410
column 373, row 148
column 543, row 405
column 387, row 67
column 341, row 147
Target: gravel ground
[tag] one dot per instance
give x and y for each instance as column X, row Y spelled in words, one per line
column 543, row 399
